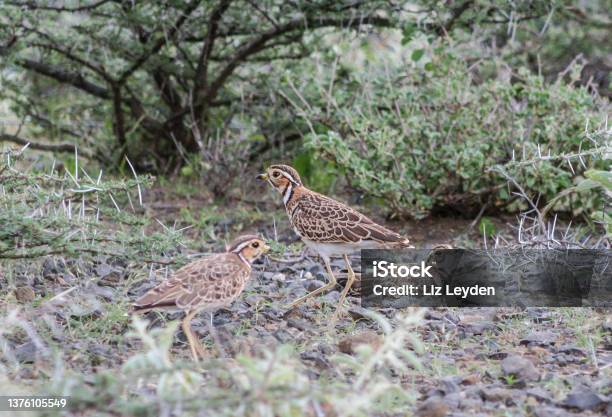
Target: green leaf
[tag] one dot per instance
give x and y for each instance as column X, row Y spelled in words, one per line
column 417, row 54
column 487, row 227
column 302, row 162
column 586, row 184
column 604, row 178
column 187, row 171
column 408, row 33
column 429, row 66
column 71, row 165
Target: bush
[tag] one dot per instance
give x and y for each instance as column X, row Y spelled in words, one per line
column 154, row 80
column 75, row 214
column 274, row 382
column 424, row 137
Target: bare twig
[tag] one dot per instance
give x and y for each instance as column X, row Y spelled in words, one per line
column 51, row 147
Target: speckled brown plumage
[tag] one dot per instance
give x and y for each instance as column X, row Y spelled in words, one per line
column 329, row 227
column 321, row 219
column 205, row 285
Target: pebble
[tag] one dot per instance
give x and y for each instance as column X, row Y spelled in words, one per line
column 496, row 394
column 298, row 324
column 350, row 343
column 283, row 336
column 24, row 294
column 279, row 277
column 551, row 412
column 317, row 271
column 585, row 399
column 26, row 353
column 539, row 394
column 319, row 360
column 539, row 339
column 332, row 297
column 312, row 285
column 433, row 407
column 253, row 299
column 520, row 367
column 450, row 385
column 52, row 267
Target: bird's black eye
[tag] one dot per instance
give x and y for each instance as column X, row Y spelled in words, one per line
column 275, row 174
column 255, row 244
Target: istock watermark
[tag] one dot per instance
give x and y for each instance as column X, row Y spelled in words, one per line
column 504, row 277
column 385, row 269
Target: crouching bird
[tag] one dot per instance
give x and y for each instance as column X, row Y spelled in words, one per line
column 205, row 285
column 328, row 227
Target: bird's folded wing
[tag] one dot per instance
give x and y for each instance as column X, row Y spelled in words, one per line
column 199, row 282
column 323, row 219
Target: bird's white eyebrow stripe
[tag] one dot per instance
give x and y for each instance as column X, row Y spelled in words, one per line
column 241, row 246
column 289, row 177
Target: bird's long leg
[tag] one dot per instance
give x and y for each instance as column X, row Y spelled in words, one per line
column 215, row 336
column 194, row 344
column 331, row 284
column 349, row 283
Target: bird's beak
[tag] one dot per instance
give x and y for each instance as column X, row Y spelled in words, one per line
column 263, row 177
column 266, row 249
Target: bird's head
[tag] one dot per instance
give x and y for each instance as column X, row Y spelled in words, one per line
column 250, row 247
column 281, row 177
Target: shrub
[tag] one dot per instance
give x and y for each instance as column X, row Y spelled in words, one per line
column 598, row 181
column 275, row 382
column 75, row 214
column 424, row 138
column 154, row 80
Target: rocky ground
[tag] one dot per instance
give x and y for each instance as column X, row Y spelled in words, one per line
column 475, row 362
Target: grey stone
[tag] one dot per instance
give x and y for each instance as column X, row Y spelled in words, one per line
column 26, row 353
column 332, row 297
column 539, row 394
column 298, row 324
column 521, row 368
column 496, row 394
column 312, row 285
column 283, row 336
column 585, row 399
column 551, row 412
column 539, row 339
